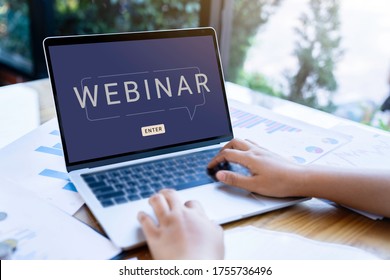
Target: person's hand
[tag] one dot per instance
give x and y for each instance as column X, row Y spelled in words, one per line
column 183, row 230
column 271, row 175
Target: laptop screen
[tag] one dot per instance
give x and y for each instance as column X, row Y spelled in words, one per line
column 126, row 94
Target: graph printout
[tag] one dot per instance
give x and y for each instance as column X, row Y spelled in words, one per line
column 36, row 163
column 368, row 149
column 300, row 142
column 45, row 232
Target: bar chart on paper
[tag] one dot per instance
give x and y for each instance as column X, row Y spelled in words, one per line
column 56, row 150
column 69, row 186
column 300, row 142
column 242, row 119
column 36, row 162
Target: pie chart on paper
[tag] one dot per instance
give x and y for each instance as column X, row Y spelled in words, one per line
column 313, row 150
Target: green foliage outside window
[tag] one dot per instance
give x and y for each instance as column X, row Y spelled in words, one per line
column 15, row 33
column 86, row 16
column 248, row 17
column 317, row 46
column 317, row 51
column 71, row 17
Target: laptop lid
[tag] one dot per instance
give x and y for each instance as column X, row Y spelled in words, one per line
column 132, row 95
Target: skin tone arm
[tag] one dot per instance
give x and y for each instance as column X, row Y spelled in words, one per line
column 183, row 230
column 274, row 176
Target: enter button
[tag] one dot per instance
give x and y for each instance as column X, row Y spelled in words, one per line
column 153, row 130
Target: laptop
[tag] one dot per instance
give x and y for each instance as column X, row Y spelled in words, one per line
column 143, row 111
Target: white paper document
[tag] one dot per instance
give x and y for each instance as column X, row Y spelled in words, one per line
column 36, row 163
column 368, row 148
column 300, row 142
column 251, row 243
column 42, row 231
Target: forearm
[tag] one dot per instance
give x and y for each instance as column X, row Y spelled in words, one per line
column 360, row 189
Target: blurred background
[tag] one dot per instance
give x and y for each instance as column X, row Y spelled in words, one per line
column 333, row 55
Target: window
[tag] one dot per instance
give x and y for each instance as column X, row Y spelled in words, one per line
column 86, row 17
column 25, row 23
column 15, row 35
column 329, row 54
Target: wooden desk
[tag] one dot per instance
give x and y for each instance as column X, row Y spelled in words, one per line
column 314, row 219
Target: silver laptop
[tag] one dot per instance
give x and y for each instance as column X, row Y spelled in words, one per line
column 139, row 112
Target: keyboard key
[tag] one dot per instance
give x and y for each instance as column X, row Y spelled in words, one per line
column 160, row 165
column 114, row 174
column 131, row 184
column 179, row 181
column 167, row 184
column 99, row 191
column 146, row 194
column 97, row 185
column 144, row 188
column 89, row 179
column 120, row 200
column 137, row 176
column 131, row 191
column 138, row 169
column 155, row 178
column 156, row 186
column 110, row 195
column 143, row 181
column 190, row 178
column 133, row 197
column 102, row 177
column 161, row 172
column 193, row 184
column 107, row 203
column 112, row 181
column 119, row 186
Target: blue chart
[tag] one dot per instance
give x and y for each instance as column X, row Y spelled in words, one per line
column 51, row 150
column 55, row 132
column 331, row 141
column 56, row 150
column 299, row 160
column 314, row 150
column 61, row 176
column 243, row 119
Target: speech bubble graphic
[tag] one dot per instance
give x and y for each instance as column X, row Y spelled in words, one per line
column 149, row 92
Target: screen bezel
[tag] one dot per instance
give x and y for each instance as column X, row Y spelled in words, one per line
column 102, row 38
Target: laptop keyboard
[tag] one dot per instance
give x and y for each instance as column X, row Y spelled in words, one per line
column 130, row 183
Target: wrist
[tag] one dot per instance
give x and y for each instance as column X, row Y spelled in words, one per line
column 312, row 180
column 302, row 180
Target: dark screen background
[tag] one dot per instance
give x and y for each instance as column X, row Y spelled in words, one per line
column 101, row 131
